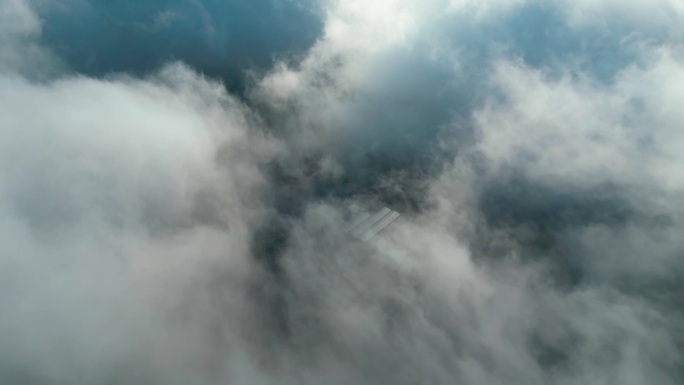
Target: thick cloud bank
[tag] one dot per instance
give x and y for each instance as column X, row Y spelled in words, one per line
column 176, row 178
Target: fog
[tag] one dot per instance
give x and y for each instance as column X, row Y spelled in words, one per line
column 176, row 178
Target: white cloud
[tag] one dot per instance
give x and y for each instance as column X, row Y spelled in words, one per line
column 19, row 28
column 131, row 209
column 119, row 198
column 661, row 15
column 573, row 130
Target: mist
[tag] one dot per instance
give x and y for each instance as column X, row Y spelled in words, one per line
column 177, row 178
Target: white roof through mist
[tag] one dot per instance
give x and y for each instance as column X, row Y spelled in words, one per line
column 366, row 225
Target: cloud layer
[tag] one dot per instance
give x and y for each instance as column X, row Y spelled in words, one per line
column 176, row 177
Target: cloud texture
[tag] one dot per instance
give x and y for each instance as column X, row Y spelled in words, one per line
column 176, row 177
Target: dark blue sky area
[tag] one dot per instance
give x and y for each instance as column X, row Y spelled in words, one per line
column 219, row 38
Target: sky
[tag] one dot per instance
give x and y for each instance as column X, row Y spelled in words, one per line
column 176, row 177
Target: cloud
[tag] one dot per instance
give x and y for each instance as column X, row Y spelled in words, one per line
column 116, row 210
column 19, row 30
column 161, row 226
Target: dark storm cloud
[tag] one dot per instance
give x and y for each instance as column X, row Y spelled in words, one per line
column 157, row 228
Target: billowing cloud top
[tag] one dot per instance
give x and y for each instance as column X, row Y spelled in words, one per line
column 176, row 178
